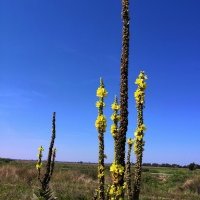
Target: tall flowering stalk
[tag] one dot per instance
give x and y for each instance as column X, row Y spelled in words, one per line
column 115, row 117
column 101, row 128
column 39, row 162
column 116, row 190
column 121, row 139
column 44, row 192
column 139, row 133
column 128, row 169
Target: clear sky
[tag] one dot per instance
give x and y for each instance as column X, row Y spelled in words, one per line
column 52, row 54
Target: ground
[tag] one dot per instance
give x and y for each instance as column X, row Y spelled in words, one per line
column 77, row 181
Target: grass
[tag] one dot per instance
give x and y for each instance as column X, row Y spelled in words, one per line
column 78, row 181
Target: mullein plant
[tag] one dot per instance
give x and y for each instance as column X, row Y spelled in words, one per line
column 139, row 133
column 115, row 117
column 128, row 169
column 115, row 191
column 100, row 125
column 44, row 192
column 121, row 138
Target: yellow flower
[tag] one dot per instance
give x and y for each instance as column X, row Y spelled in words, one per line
column 115, row 106
column 142, row 75
column 100, row 175
column 124, row 185
column 119, row 192
column 38, row 165
column 101, row 92
column 112, row 190
column 100, row 104
column 139, row 133
column 139, row 137
column 100, row 123
column 115, row 117
column 130, row 141
column 135, row 148
column 101, row 167
column 40, row 148
column 140, row 81
column 117, row 169
column 138, row 93
column 141, row 128
column 139, row 96
column 113, row 129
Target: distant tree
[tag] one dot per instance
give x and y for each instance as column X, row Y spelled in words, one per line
column 192, row 166
column 165, row 165
column 155, row 165
column 5, row 160
column 175, row 166
column 146, row 164
column 197, row 166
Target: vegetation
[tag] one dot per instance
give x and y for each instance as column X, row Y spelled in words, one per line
column 128, row 169
column 101, row 127
column 44, row 192
column 139, row 133
column 192, row 166
column 75, row 181
column 118, row 181
column 121, row 137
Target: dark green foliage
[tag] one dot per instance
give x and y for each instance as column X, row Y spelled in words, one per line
column 40, row 194
column 192, row 166
column 5, row 160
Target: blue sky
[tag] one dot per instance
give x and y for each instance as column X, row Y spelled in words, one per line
column 52, row 54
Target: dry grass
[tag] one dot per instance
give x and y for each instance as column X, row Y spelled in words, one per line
column 17, row 182
column 13, row 174
column 192, row 185
column 78, row 182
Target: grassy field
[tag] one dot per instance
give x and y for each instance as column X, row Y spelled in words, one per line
column 78, row 182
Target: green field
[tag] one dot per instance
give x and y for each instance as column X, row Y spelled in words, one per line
column 78, row 181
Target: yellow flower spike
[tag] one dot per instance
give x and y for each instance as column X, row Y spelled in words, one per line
column 138, row 143
column 140, row 81
column 100, row 123
column 115, row 106
column 101, row 92
column 142, row 75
